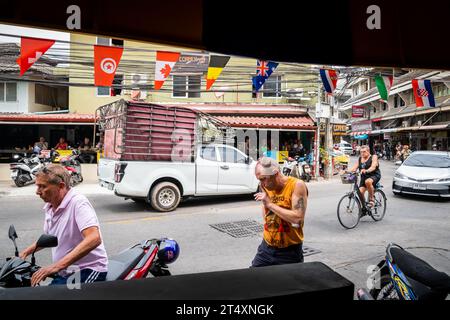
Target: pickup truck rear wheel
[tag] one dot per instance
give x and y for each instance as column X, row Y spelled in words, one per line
column 165, row 196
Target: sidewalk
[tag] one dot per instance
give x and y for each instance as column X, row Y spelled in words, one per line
column 9, row 189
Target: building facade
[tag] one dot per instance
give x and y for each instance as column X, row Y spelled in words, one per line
column 400, row 120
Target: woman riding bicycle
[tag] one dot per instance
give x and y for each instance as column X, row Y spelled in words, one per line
column 370, row 173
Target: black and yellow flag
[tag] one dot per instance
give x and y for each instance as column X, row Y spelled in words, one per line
column 216, row 65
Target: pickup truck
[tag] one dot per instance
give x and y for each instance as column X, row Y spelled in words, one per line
column 150, row 173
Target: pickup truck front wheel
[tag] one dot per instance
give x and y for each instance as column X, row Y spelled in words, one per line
column 165, row 196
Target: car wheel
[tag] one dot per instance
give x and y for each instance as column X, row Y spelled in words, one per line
column 165, row 196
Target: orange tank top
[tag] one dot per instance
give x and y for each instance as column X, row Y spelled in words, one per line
column 277, row 232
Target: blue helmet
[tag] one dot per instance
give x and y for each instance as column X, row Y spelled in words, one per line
column 169, row 250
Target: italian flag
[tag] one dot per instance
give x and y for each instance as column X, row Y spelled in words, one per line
column 384, row 84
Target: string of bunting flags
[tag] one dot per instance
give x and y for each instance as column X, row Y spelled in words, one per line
column 107, row 60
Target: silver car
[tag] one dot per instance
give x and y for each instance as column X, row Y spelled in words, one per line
column 424, row 173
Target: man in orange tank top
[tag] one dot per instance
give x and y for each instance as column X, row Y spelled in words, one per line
column 284, row 201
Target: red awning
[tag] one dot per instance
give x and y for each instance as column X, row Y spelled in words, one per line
column 30, row 118
column 298, row 122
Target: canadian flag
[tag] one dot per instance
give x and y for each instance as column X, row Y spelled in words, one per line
column 106, row 61
column 164, row 63
column 31, row 49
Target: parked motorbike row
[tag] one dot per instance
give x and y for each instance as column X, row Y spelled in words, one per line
column 147, row 257
column 400, row 276
column 297, row 167
column 23, row 172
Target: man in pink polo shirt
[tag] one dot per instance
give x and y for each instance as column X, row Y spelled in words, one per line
column 70, row 217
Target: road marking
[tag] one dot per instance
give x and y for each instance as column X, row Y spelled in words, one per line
column 133, row 220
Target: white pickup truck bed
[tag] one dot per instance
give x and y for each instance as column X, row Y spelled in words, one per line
column 217, row 170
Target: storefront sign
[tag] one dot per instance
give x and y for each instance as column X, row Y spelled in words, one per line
column 362, row 126
column 362, row 137
column 322, row 110
column 339, row 127
column 358, row 111
column 191, row 62
column 418, row 135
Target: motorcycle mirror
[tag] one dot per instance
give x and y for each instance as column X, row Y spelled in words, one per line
column 12, row 234
column 47, row 241
column 44, row 241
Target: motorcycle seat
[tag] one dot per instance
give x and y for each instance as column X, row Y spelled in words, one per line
column 417, row 269
column 121, row 264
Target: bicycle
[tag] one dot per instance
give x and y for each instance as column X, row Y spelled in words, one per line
column 352, row 206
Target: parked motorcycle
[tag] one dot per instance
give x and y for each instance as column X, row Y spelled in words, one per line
column 72, row 164
column 304, row 168
column 24, row 171
column 403, row 276
column 290, row 167
column 147, row 257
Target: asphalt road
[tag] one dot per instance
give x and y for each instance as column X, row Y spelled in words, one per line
column 420, row 225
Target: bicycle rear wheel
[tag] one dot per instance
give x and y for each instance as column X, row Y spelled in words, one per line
column 349, row 211
column 379, row 209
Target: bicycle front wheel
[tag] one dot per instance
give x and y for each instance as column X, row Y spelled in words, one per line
column 349, row 211
column 379, row 208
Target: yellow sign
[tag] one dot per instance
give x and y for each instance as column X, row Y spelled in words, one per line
column 62, row 154
column 281, row 154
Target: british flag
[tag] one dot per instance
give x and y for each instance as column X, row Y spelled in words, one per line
column 423, row 93
column 262, row 68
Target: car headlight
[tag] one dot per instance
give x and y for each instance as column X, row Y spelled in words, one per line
column 442, row 180
column 400, row 176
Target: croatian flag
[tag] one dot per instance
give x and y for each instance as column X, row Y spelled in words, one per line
column 423, row 93
column 329, row 79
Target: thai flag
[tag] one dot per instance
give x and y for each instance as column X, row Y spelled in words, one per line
column 329, row 79
column 423, row 93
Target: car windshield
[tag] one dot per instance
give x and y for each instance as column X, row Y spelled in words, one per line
column 428, row 160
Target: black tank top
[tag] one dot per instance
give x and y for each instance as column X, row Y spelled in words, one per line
column 366, row 165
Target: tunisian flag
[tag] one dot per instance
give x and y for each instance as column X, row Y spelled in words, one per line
column 106, row 61
column 31, row 49
column 164, row 63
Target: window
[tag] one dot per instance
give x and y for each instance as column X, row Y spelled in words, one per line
column 272, row 87
column 186, row 86
column 103, row 92
column 209, row 153
column 111, row 91
column 231, row 155
column 8, row 91
column 109, row 41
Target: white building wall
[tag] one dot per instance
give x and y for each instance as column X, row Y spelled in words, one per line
column 21, row 105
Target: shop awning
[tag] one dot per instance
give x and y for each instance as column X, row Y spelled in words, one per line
column 384, row 131
column 303, row 123
column 359, row 133
column 49, row 119
column 443, row 126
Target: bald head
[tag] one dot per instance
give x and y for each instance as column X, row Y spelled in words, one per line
column 267, row 166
